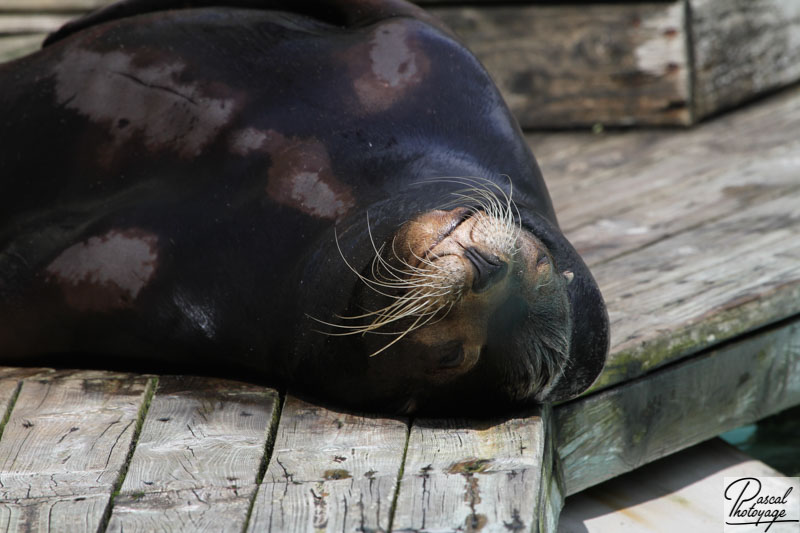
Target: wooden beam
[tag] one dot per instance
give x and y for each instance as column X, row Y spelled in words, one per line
column 12, row 47
column 330, row 471
column 65, row 446
column 467, row 475
column 742, row 48
column 700, row 288
column 198, row 456
column 31, row 6
column 607, row 434
column 568, row 65
column 34, row 23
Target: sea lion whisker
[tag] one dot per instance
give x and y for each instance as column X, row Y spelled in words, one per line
column 389, row 310
column 368, row 282
column 372, row 284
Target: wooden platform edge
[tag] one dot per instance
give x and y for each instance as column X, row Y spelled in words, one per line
column 553, row 489
column 471, row 475
column 615, row 431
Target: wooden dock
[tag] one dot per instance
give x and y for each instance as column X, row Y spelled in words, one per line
column 694, row 238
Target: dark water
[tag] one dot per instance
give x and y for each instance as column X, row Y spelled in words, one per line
column 774, row 441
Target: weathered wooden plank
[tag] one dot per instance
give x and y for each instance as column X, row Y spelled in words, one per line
column 699, row 288
column 51, row 5
column 198, row 456
column 64, row 447
column 34, row 23
column 19, row 45
column 67, row 514
column 620, row 429
column 469, row 476
column 8, row 391
column 201, row 432
column 216, row 510
column 743, row 48
column 570, row 65
column 682, row 492
column 69, row 437
column 18, row 373
column 694, row 238
column 658, row 183
column 330, row 471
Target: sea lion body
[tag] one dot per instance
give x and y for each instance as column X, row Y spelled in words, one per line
column 188, row 186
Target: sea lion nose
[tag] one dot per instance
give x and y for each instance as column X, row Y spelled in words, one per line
column 489, row 268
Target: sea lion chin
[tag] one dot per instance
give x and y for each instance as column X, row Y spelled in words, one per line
column 265, row 193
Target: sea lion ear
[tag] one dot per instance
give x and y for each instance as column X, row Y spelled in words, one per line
column 568, row 275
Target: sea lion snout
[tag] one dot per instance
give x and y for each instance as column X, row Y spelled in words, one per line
column 488, row 268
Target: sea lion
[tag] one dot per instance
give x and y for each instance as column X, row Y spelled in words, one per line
column 328, row 195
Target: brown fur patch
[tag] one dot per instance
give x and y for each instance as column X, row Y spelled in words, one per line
column 148, row 100
column 105, row 272
column 387, row 67
column 300, row 175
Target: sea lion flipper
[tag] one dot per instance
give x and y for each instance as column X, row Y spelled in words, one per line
column 347, row 13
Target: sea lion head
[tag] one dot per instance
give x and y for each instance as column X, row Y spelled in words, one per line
column 473, row 304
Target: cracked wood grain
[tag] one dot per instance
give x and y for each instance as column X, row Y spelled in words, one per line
column 471, row 476
column 198, row 457
column 330, row 471
column 65, row 443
